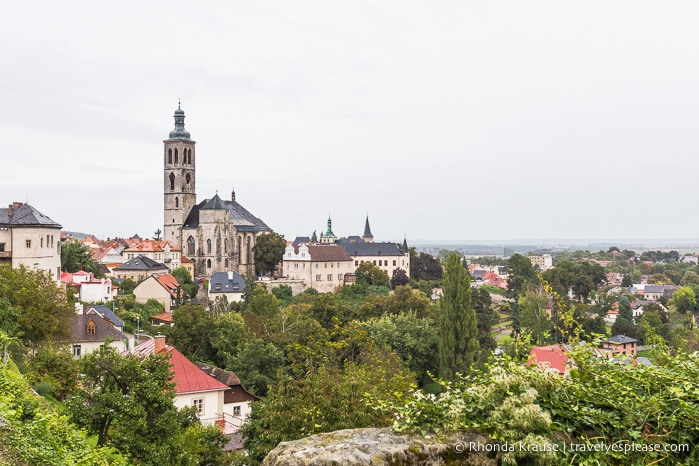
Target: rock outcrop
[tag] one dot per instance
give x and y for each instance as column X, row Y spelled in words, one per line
column 358, row 447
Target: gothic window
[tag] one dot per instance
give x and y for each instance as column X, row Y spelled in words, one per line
column 189, row 156
column 177, row 202
column 208, row 263
column 225, row 245
column 169, row 156
column 208, row 246
column 225, row 263
column 172, row 181
column 190, row 246
column 248, row 257
column 188, row 178
column 175, row 155
column 218, row 245
column 240, row 249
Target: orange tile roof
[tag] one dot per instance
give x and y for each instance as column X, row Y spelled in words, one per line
column 188, row 378
column 168, row 282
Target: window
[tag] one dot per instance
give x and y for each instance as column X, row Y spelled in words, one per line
column 172, row 181
column 176, row 155
column 296, row 265
column 188, row 178
column 169, row 156
column 330, row 277
column 198, row 404
column 394, row 263
column 190, row 246
column 177, row 202
column 91, row 328
column 208, row 246
column 339, row 276
column 42, row 242
column 208, row 263
column 356, row 263
column 236, row 410
column 29, row 243
column 2, row 247
column 76, row 351
column 318, row 278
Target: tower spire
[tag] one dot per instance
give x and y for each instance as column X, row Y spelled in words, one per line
column 179, row 132
column 367, row 236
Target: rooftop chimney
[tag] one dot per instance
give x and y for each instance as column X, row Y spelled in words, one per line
column 230, row 276
column 159, row 343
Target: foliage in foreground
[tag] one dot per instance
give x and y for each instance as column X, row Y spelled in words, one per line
column 614, row 406
column 32, row 433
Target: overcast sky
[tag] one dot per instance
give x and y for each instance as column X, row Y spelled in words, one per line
column 440, row 120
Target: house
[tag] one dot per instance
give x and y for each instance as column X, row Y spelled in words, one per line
column 158, row 250
column 164, row 318
column 90, row 289
column 322, row 267
column 139, row 268
column 90, row 330
column 107, row 314
column 29, row 238
column 553, row 357
column 639, row 306
column 385, row 255
column 164, row 288
column 193, row 387
column 230, row 285
column 542, row 262
column 237, row 401
column 655, row 292
column 619, row 344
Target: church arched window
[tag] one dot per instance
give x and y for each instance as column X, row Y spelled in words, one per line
column 188, row 178
column 225, row 245
column 190, row 246
column 225, row 263
column 239, row 249
column 208, row 263
column 189, row 156
column 177, row 202
column 172, row 181
column 175, row 154
column 218, row 245
column 169, row 155
column 248, row 250
column 208, row 246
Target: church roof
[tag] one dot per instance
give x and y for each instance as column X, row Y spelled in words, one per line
column 370, row 249
column 19, row 214
column 240, row 217
column 367, row 229
column 179, row 132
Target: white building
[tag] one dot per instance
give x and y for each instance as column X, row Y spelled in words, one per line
column 29, row 238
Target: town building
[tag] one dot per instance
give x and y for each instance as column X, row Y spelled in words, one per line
column 542, row 262
column 158, row 250
column 29, row 238
column 163, row 288
column 218, row 235
column 138, row 269
column 321, row 266
column 228, row 285
column 89, row 330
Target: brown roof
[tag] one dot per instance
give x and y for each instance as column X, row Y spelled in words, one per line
column 103, row 330
column 236, row 393
column 327, row 253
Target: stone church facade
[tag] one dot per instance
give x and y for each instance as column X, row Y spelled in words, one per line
column 218, row 235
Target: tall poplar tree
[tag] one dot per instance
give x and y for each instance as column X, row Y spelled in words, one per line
column 458, row 329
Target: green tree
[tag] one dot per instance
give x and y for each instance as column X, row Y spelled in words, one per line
column 684, row 300
column 325, row 400
column 127, row 402
column 269, row 251
column 624, row 323
column 191, row 332
column 520, row 272
column 77, row 256
column 534, row 314
column 369, row 274
column 53, row 365
column 456, row 321
column 424, row 266
column 184, row 278
column 258, row 364
column 486, row 317
column 33, row 306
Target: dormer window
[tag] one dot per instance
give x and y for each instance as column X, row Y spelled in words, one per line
column 91, row 328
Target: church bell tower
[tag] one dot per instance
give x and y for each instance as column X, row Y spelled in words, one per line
column 179, row 160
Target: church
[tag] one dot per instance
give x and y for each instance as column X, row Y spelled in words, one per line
column 217, row 234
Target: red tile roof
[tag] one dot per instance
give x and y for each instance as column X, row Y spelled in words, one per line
column 188, row 378
column 168, row 282
column 553, row 357
column 163, row 317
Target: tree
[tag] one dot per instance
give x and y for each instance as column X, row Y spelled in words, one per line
column 269, row 251
column 624, row 324
column 325, row 400
column 54, row 366
column 424, row 266
column 399, row 278
column 684, row 300
column 184, row 278
column 456, row 321
column 77, row 256
column 533, row 314
column 486, row 318
column 520, row 272
column 368, row 274
column 191, row 332
column 257, row 363
column 32, row 306
column 127, row 402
